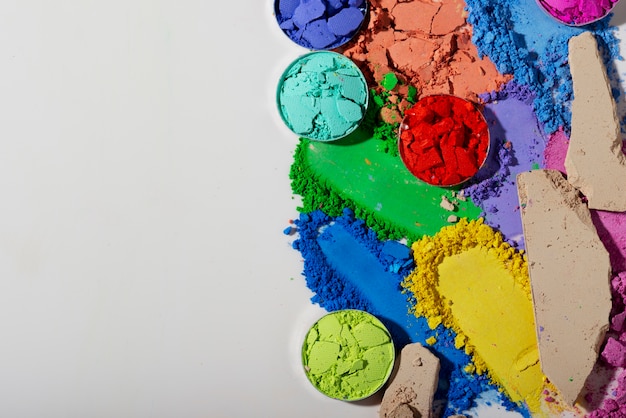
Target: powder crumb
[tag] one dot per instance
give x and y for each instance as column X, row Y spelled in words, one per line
column 431, row 341
column 614, row 353
column 390, row 115
column 447, row 204
column 453, row 219
column 412, row 388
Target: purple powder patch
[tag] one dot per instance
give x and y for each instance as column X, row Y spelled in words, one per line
column 320, row 24
column 517, row 145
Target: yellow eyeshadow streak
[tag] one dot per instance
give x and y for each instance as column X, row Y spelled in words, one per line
column 496, row 317
column 470, row 280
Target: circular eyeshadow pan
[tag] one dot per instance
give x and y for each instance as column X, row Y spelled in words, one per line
column 348, row 355
column 320, row 24
column 322, row 96
column 443, row 140
column 577, row 13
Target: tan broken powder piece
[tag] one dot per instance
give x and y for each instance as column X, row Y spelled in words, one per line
column 569, row 276
column 594, row 162
column 403, row 411
column 413, row 383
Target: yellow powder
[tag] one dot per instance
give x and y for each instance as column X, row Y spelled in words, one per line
column 471, row 281
column 431, row 341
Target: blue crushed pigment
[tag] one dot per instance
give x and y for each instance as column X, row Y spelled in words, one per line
column 523, row 41
column 346, row 266
column 349, row 268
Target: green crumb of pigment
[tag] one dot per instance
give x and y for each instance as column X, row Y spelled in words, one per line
column 412, row 95
column 389, row 81
column 388, row 135
column 348, row 355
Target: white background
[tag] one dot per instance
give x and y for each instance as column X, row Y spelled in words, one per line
column 143, row 193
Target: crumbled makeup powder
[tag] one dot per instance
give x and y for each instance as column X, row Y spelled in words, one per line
column 556, row 149
column 569, row 271
column 514, row 35
column 402, row 411
column 614, row 352
column 577, row 12
column 495, row 284
column 347, row 267
column 427, row 44
column 517, row 144
column 443, row 140
column 320, row 24
column 413, row 383
column 354, row 173
column 522, row 40
column 596, row 139
column 322, row 96
column 348, row 354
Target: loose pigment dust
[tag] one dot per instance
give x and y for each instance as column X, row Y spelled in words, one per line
column 442, row 266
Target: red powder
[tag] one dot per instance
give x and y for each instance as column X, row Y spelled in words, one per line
column 443, row 140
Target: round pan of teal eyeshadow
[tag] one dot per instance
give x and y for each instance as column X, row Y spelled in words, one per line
column 320, row 24
column 322, row 96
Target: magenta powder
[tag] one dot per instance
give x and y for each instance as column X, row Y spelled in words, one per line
column 554, row 154
column 577, row 12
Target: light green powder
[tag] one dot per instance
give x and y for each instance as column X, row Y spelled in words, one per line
column 322, row 96
column 348, row 355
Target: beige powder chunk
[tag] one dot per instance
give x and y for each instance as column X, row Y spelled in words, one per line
column 413, row 383
column 594, row 162
column 447, row 204
column 569, row 276
column 403, row 411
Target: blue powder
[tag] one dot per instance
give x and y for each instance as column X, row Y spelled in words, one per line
column 523, row 41
column 320, row 24
column 346, row 266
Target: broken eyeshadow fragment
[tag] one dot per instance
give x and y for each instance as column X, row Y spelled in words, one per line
column 320, row 24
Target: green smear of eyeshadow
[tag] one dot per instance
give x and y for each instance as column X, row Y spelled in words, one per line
column 356, row 173
column 348, row 355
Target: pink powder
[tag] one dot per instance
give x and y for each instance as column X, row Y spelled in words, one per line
column 614, row 352
column 611, row 226
column 554, row 154
column 577, row 12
